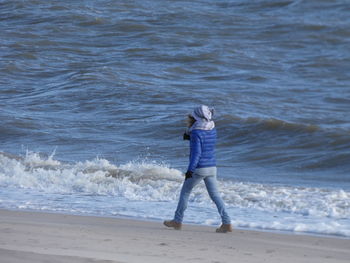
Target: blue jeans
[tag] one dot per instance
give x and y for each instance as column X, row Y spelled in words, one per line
column 209, row 176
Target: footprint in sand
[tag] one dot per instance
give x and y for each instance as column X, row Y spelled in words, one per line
column 162, row 244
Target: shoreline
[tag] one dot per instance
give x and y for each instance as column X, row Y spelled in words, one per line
column 158, row 221
column 39, row 236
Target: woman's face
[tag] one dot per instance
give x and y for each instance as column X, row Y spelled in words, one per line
column 190, row 120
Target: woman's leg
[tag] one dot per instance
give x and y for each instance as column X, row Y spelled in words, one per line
column 211, row 184
column 184, row 195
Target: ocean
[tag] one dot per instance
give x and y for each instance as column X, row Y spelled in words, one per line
column 94, row 96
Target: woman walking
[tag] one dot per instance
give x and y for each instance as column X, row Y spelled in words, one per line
column 202, row 135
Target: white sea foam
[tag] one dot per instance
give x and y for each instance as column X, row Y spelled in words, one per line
column 145, row 184
column 33, row 159
column 323, row 228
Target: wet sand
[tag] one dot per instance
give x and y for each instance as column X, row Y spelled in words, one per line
column 45, row 237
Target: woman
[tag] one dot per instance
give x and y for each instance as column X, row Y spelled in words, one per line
column 202, row 135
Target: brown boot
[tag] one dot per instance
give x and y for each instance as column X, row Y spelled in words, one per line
column 172, row 223
column 224, row 228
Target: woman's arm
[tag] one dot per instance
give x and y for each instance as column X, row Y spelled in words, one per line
column 195, row 151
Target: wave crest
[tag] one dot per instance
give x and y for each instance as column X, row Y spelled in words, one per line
column 153, row 182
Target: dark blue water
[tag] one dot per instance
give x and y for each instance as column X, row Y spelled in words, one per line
column 115, row 80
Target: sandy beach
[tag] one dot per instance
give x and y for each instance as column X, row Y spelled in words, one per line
column 44, row 237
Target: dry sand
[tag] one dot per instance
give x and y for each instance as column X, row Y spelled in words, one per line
column 44, row 237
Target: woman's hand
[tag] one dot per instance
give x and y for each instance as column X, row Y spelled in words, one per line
column 186, row 136
column 188, row 175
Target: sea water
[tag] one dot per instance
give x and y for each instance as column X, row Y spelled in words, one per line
column 93, row 97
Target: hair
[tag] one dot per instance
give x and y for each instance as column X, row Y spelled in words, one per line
column 190, row 120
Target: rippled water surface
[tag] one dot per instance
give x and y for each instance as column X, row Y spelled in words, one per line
column 115, row 79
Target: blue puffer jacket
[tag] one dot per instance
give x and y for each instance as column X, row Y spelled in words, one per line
column 202, row 149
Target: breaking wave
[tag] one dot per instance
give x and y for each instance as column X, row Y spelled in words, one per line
column 152, row 182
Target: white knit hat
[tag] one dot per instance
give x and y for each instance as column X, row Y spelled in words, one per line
column 203, row 112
